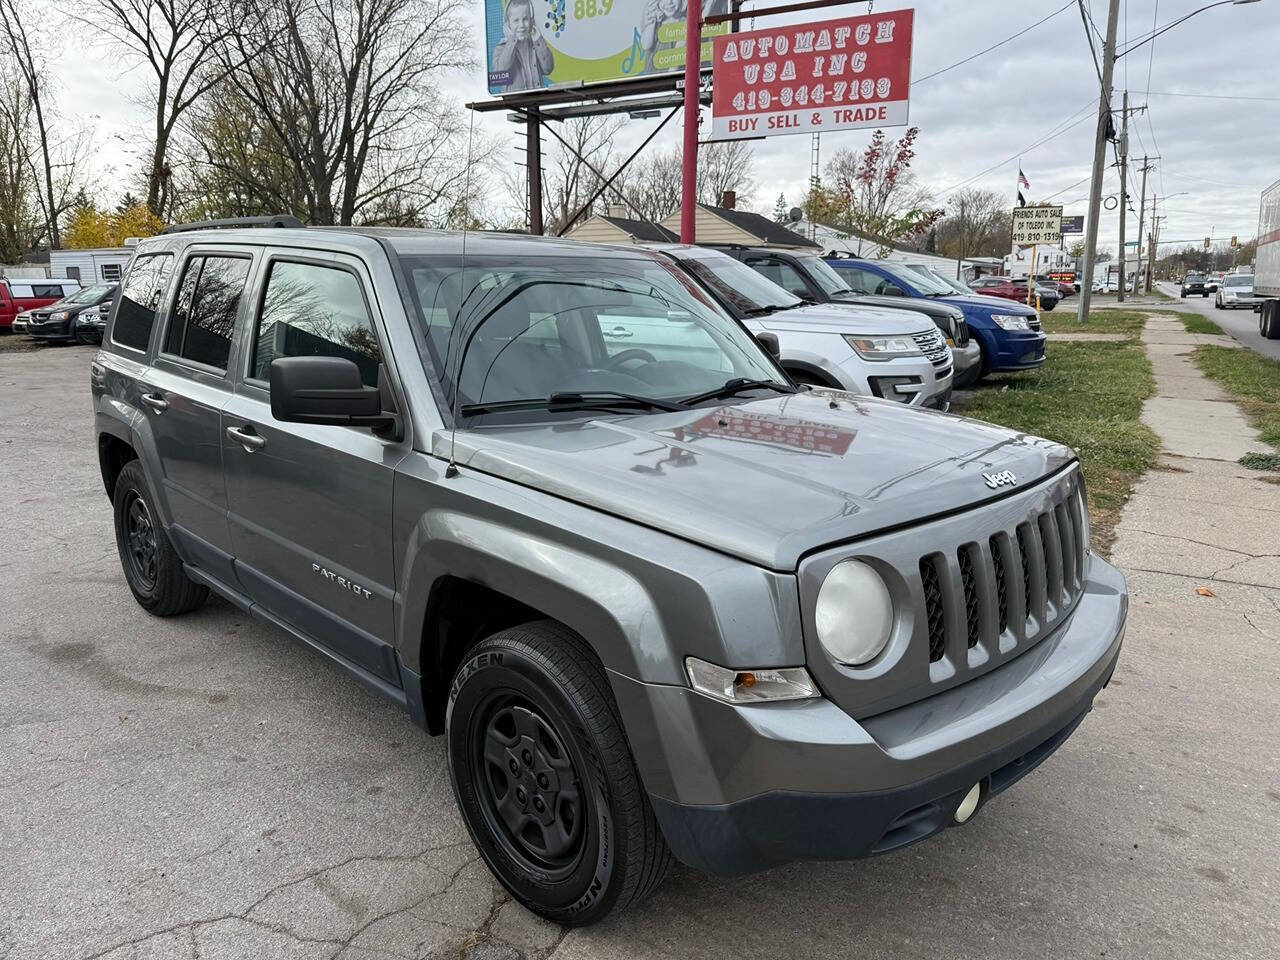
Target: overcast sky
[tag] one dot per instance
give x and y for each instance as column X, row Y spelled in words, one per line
column 1218, row 153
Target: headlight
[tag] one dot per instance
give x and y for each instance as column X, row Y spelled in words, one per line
column 60, row 315
column 882, row 348
column 749, row 686
column 1006, row 322
column 854, row 613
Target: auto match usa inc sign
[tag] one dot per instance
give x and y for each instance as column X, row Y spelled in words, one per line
column 813, row 77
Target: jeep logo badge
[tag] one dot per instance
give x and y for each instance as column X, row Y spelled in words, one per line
column 1004, row 478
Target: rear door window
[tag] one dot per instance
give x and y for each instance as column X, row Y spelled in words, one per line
column 783, row 274
column 311, row 310
column 140, row 297
column 204, row 313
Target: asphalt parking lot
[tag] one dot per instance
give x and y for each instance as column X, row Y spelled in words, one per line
column 205, row 787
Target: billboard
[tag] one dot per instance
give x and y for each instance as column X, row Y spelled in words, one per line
column 534, row 44
column 813, row 77
column 1033, row 225
column 1073, row 224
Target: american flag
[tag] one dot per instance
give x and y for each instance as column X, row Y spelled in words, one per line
column 1022, row 179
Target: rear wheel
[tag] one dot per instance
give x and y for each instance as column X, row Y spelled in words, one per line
column 1269, row 324
column 545, row 779
column 152, row 567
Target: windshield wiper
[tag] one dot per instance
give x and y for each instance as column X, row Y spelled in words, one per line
column 735, row 386
column 575, row 400
column 764, row 310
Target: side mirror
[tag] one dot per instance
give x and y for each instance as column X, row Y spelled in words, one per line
column 770, row 343
column 894, row 291
column 324, row 390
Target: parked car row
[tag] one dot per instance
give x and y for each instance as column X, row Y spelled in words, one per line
column 57, row 309
column 564, row 506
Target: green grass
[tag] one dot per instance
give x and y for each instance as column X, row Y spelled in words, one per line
column 1198, row 324
column 1089, row 396
column 1099, row 321
column 1252, row 380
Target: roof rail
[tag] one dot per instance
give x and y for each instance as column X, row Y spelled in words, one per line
column 278, row 220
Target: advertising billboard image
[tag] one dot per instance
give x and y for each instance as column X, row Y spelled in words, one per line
column 535, row 44
column 813, row 77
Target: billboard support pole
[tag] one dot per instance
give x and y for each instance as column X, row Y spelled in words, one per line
column 533, row 158
column 692, row 81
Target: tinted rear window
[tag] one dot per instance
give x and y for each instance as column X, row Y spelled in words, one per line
column 140, row 298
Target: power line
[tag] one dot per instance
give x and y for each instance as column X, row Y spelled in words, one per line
column 1089, row 36
column 1216, row 183
column 975, row 56
column 1212, row 96
column 1055, row 132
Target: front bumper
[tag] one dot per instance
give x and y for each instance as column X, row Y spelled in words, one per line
column 1013, row 349
column 738, row 789
column 51, row 329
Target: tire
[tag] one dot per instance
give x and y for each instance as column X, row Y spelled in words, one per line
column 1048, row 304
column 152, row 568
column 85, row 338
column 570, row 855
column 808, row 379
column 1270, row 322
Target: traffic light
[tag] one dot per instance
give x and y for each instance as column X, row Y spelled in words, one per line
column 1235, row 241
column 1206, row 242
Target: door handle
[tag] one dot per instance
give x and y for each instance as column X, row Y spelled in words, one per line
column 155, row 401
column 246, row 437
column 619, row 332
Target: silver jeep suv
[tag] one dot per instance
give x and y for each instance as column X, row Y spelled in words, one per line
column 657, row 599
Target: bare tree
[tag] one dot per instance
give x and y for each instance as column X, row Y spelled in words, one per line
column 723, row 166
column 177, row 40
column 571, row 174
column 976, row 225
column 346, row 89
column 31, row 69
column 21, row 220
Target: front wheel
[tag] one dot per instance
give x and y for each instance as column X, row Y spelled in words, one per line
column 545, row 779
column 1269, row 320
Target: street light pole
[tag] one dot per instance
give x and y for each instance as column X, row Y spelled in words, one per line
column 1099, row 154
column 1142, row 211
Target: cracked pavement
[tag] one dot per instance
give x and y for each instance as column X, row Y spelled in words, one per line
column 206, row 787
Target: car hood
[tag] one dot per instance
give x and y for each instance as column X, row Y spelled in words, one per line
column 768, row 480
column 931, row 308
column 846, row 318
column 992, row 303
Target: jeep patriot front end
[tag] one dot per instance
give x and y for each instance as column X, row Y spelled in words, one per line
column 558, row 504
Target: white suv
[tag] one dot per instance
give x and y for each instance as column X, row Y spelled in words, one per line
column 894, row 354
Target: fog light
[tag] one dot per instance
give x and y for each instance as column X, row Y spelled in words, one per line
column 969, row 803
column 749, row 686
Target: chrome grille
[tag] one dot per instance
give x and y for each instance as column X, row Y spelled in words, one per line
column 934, row 346
column 1033, row 322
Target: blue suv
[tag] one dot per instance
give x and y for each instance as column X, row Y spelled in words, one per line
column 1008, row 332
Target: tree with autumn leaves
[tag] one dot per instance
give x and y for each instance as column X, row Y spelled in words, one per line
column 873, row 195
column 91, row 228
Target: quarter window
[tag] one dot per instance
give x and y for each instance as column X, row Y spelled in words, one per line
column 204, row 314
column 314, row 311
column 140, row 297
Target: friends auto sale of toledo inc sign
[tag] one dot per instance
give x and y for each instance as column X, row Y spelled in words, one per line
column 813, row 77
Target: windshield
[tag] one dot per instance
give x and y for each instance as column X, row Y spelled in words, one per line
column 926, row 283
column 575, row 325
column 91, row 295
column 825, row 276
column 743, row 289
column 934, row 275
column 1239, row 281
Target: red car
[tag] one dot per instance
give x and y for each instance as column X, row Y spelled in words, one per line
column 1011, row 288
column 19, row 293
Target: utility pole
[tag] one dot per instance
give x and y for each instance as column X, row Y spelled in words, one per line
column 1142, row 210
column 689, row 157
column 1152, row 242
column 1123, row 280
column 1099, row 155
